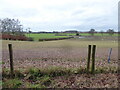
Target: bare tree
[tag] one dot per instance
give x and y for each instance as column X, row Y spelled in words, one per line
column 11, row 26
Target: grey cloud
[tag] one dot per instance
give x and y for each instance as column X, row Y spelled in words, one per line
column 76, row 11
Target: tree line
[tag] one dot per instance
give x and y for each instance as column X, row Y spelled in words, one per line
column 12, row 26
column 109, row 31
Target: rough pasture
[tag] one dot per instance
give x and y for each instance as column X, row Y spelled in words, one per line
column 69, row 54
column 73, row 52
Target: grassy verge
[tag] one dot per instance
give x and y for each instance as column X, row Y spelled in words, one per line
column 43, row 78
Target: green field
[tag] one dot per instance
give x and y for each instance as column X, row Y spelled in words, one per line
column 36, row 37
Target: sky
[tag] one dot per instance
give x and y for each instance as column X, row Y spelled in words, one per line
column 62, row 15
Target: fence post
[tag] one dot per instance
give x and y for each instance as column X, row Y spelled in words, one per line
column 93, row 58
column 11, row 60
column 89, row 55
column 109, row 55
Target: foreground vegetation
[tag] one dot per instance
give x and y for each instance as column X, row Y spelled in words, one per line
column 46, row 77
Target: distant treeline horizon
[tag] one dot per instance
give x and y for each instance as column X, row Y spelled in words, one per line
column 70, row 31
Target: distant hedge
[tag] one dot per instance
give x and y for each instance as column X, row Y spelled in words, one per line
column 30, row 39
column 51, row 39
column 13, row 37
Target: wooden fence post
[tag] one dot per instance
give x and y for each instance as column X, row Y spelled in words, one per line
column 93, row 58
column 89, row 55
column 11, row 60
column 109, row 55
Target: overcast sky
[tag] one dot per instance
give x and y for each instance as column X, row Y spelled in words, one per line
column 61, row 15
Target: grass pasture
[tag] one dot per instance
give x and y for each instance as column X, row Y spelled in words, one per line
column 61, row 64
column 36, row 37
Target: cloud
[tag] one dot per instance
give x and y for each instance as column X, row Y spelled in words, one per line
column 53, row 15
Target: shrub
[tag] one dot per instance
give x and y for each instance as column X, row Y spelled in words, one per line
column 77, row 34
